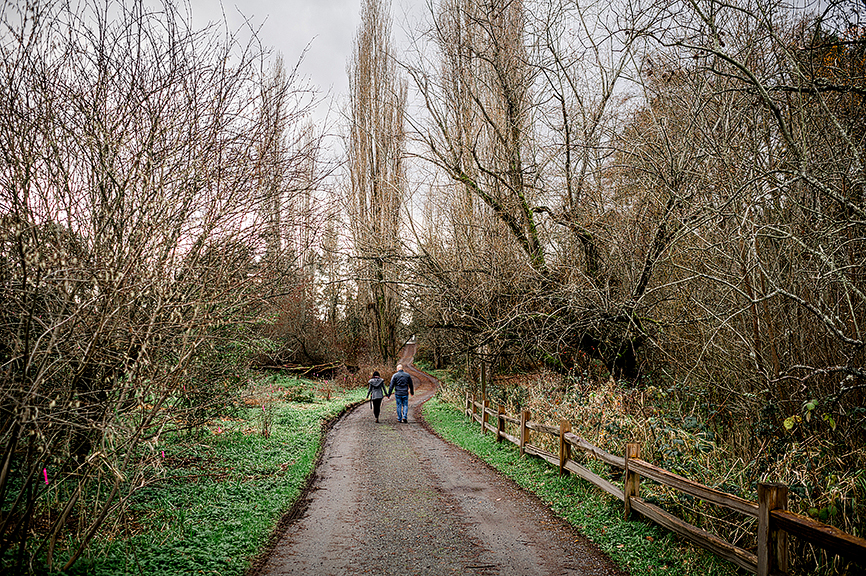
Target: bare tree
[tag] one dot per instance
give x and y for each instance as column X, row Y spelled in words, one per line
column 760, row 108
column 130, row 213
column 376, row 151
column 484, row 241
column 521, row 120
column 287, row 160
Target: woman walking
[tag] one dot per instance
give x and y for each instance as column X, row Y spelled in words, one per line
column 375, row 391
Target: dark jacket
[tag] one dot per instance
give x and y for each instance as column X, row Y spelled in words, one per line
column 401, row 384
column 376, row 388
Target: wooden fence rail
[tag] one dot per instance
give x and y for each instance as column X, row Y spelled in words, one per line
column 775, row 522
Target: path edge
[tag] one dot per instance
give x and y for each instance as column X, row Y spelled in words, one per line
column 302, row 502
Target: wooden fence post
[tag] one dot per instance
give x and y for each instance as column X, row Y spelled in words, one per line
column 500, row 422
column 472, row 416
column 524, row 431
column 631, row 483
column 772, row 542
column 484, row 415
column 564, row 447
column 483, row 379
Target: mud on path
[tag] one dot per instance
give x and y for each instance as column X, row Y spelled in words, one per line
column 392, row 498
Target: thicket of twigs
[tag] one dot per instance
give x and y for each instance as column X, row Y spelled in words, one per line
column 137, row 250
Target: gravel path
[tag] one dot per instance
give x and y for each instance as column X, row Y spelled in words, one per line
column 394, row 499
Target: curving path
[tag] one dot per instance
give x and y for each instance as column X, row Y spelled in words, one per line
column 395, row 499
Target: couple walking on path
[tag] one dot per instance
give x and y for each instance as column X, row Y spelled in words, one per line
column 401, row 386
column 400, row 501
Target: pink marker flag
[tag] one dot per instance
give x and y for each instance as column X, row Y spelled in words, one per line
column 163, row 453
column 45, row 472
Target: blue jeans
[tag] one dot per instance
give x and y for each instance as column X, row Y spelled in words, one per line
column 402, row 407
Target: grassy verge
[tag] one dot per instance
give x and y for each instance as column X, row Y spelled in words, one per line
column 640, row 548
column 218, row 496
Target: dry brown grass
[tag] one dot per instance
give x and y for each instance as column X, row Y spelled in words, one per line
column 673, row 433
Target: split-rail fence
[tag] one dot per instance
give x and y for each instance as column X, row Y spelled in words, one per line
column 775, row 521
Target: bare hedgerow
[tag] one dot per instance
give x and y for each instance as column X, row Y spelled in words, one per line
column 130, row 253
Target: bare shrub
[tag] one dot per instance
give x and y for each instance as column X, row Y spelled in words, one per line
column 129, row 254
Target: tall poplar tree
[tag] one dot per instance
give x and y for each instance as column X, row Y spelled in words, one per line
column 376, row 146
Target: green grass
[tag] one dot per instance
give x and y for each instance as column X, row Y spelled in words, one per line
column 638, row 547
column 219, row 496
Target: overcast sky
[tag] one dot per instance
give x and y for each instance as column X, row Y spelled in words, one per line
column 328, row 26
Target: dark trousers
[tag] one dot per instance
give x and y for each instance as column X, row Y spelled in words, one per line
column 377, row 404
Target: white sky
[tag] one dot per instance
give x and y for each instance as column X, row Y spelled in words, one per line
column 288, row 26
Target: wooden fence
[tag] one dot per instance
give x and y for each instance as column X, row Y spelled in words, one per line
column 775, row 522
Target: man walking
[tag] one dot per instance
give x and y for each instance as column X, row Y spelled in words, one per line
column 401, row 386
